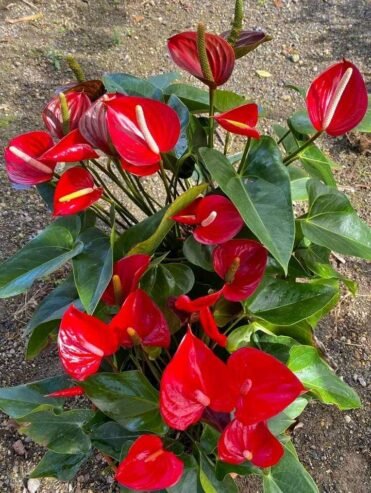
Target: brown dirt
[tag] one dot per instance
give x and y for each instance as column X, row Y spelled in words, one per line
column 114, row 35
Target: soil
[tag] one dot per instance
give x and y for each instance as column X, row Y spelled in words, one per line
column 130, row 36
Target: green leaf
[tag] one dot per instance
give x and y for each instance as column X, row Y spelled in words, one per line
column 365, row 125
column 131, row 85
column 301, row 123
column 189, row 482
column 224, row 469
column 92, row 268
column 333, row 223
column 165, row 280
column 46, row 192
column 184, row 116
column 289, row 475
column 196, row 100
column 138, row 233
column 151, row 244
column 110, row 437
column 320, row 379
column 209, row 481
column 21, row 400
column 226, row 311
column 61, row 433
column 277, row 346
column 60, row 466
column 127, row 398
column 298, row 183
column 209, row 439
column 40, row 257
column 262, row 196
column 241, row 337
column 41, row 337
column 283, row 302
column 318, row 165
column 284, row 420
column 226, row 100
column 198, row 254
column 162, row 81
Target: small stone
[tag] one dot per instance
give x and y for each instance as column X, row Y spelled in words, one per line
column 347, row 418
column 33, row 485
column 294, row 58
column 18, row 447
column 362, row 381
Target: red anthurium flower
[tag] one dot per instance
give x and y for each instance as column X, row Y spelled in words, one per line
column 148, row 466
column 241, row 263
column 141, row 129
column 202, row 307
column 220, row 54
column 22, row 158
column 140, row 321
column 247, row 41
column 77, row 103
column 125, row 279
column 216, row 219
column 75, row 192
column 70, row 392
column 73, row 147
column 194, row 380
column 140, row 170
column 337, row 99
column 93, row 126
column 239, row 443
column 241, row 120
column 83, row 342
column 266, row 386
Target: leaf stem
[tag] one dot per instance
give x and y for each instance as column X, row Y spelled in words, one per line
column 211, row 115
column 245, row 154
column 292, row 157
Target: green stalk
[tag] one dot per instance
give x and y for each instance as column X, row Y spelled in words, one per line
column 211, row 115
column 237, row 23
column 291, row 157
column 76, row 68
column 165, row 180
column 226, row 143
column 245, row 154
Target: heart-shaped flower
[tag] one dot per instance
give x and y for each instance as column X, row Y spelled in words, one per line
column 148, row 466
column 241, row 120
column 71, row 148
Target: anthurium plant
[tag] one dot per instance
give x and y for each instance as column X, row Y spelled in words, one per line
column 185, row 320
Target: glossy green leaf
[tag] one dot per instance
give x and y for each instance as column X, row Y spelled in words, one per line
column 289, row 475
column 198, row 254
column 225, row 311
column 209, row 481
column 241, row 337
column 131, row 85
column 46, row 192
column 298, row 183
column 46, row 253
column 21, row 400
column 184, row 116
column 277, row 346
column 196, row 99
column 301, row 123
column 283, row 302
column 165, row 280
column 92, row 268
column 189, row 482
column 110, row 437
column 41, row 337
column 127, row 398
column 60, row 466
column 61, row 433
column 319, row 378
column 333, row 223
column 365, row 125
column 284, row 420
column 209, row 439
column 137, row 234
column 151, row 244
column 226, row 100
column 262, row 196
column 318, row 165
column 162, row 81
column 224, row 469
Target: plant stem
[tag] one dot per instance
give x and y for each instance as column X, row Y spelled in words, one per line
column 165, row 180
column 291, row 157
column 211, row 114
column 283, row 137
column 226, row 143
column 245, row 154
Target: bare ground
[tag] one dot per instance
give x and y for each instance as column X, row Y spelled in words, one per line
column 114, row 35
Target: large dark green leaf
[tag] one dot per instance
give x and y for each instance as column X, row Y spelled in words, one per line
column 162, row 81
column 277, row 346
column 283, row 302
column 196, row 100
column 189, row 481
column 131, row 85
column 226, row 100
column 92, row 268
column 333, row 223
column 60, row 466
column 110, row 437
column 289, row 475
column 61, row 433
column 40, row 257
column 138, row 233
column 21, row 400
column 284, row 420
column 41, row 337
column 320, row 379
column 152, row 243
column 262, row 196
column 165, row 280
column 318, row 165
column 184, row 115
column 209, row 481
column 298, row 183
column 301, row 123
column 198, row 254
column 128, row 398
